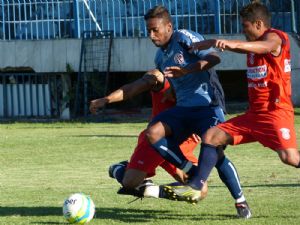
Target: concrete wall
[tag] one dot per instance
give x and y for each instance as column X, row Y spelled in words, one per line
column 127, row 55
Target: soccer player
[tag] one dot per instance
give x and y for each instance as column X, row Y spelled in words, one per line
column 144, row 161
column 270, row 117
column 199, row 99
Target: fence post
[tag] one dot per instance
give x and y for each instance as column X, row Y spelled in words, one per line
column 76, row 19
column 217, row 17
column 3, row 20
column 293, row 12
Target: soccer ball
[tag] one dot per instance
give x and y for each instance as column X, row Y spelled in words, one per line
column 78, row 208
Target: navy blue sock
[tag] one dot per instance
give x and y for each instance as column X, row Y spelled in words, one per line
column 118, row 172
column 207, row 160
column 172, row 153
column 229, row 176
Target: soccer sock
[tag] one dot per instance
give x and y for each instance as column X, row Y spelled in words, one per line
column 156, row 191
column 207, row 160
column 118, row 172
column 229, row 176
column 172, row 153
column 153, row 191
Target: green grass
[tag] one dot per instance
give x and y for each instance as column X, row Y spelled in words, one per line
column 42, row 163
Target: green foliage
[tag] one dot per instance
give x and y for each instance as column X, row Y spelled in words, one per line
column 41, row 164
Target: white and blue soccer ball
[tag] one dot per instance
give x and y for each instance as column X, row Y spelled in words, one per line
column 78, row 208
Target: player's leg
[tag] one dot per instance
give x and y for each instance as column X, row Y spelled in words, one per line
column 290, row 156
column 142, row 163
column 218, row 137
column 211, row 148
column 208, row 158
column 279, row 134
column 133, row 178
column 229, row 175
column 117, row 170
column 158, row 134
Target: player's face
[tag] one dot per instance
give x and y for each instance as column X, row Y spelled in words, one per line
column 251, row 30
column 159, row 31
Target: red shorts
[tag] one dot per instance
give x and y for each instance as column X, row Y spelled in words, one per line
column 274, row 129
column 146, row 159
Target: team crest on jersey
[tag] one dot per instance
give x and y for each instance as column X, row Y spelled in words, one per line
column 251, row 58
column 257, row 72
column 285, row 133
column 178, row 58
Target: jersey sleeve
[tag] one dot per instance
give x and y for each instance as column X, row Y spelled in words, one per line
column 185, row 38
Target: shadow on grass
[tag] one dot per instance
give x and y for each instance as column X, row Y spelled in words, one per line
column 50, row 223
column 116, row 214
column 271, row 185
column 143, row 216
column 132, row 216
column 30, row 211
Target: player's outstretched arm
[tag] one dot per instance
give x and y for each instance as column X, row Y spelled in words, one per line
column 146, row 83
column 270, row 44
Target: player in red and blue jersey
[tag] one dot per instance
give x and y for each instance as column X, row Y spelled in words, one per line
column 270, row 118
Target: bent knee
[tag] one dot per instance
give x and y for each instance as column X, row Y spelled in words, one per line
column 290, row 157
column 216, row 137
column 155, row 133
column 133, row 178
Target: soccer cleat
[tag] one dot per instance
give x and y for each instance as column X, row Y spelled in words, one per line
column 243, row 210
column 114, row 167
column 182, row 193
column 133, row 192
column 138, row 191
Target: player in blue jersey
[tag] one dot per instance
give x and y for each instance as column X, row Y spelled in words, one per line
column 199, row 99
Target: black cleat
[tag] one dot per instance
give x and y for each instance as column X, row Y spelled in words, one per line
column 133, row 192
column 138, row 191
column 243, row 210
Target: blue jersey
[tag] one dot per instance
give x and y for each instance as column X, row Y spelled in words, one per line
column 194, row 89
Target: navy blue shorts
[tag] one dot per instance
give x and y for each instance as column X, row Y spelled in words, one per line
column 185, row 121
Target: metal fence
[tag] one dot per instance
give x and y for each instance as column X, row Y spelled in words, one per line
column 33, row 95
column 49, row 19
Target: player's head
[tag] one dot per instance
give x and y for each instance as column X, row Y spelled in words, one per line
column 255, row 20
column 159, row 25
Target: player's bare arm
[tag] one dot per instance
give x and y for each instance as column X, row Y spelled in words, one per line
column 270, row 44
column 150, row 80
column 206, row 63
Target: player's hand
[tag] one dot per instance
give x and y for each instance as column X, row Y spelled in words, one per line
column 155, row 72
column 181, row 176
column 175, row 71
column 96, row 104
column 222, row 44
column 196, row 138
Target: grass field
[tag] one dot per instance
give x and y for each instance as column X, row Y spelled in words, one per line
column 42, row 163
